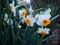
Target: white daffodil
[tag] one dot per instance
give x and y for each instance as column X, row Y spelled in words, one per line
column 48, row 11
column 43, row 20
column 31, row 10
column 43, row 31
column 29, row 20
column 23, row 13
column 12, row 7
column 5, row 17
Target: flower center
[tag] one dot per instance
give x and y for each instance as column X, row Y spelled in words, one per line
column 27, row 21
column 21, row 0
column 46, row 22
column 10, row 8
column 43, row 32
column 24, row 13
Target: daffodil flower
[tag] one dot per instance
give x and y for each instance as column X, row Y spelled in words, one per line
column 29, row 20
column 12, row 7
column 44, row 20
column 43, row 31
column 23, row 13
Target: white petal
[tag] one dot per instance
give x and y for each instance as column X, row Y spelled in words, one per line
column 31, row 10
column 31, row 24
column 32, row 21
column 47, row 29
column 19, row 26
column 39, row 23
column 47, row 32
column 47, row 16
column 39, row 30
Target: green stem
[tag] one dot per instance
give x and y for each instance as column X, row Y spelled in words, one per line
column 17, row 6
column 38, row 9
column 13, row 34
column 26, row 7
column 49, row 37
column 54, row 17
column 7, row 8
column 40, row 40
